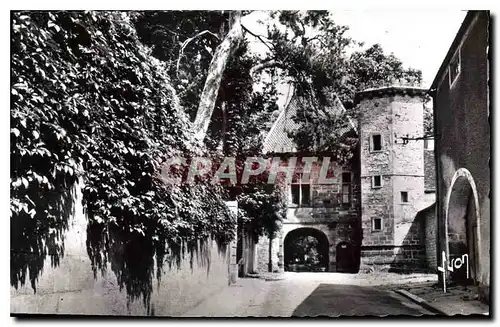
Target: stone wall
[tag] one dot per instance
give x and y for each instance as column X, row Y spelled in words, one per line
column 325, row 193
column 376, row 203
column 71, row 287
column 376, row 118
column 405, row 214
column 430, row 170
column 393, row 113
column 461, row 114
column 262, row 248
column 407, row 120
column 394, row 259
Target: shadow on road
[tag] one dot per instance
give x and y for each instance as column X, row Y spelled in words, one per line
column 349, row 300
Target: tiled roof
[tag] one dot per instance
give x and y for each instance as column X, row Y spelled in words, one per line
column 277, row 139
column 389, row 90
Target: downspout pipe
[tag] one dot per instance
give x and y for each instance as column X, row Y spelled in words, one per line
column 439, row 214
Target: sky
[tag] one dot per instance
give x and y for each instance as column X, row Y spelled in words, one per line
column 419, row 38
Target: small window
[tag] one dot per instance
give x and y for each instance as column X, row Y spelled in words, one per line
column 404, row 197
column 376, row 142
column 376, row 224
column 301, row 194
column 454, row 69
column 376, row 181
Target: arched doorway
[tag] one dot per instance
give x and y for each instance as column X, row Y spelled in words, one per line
column 306, row 249
column 462, row 225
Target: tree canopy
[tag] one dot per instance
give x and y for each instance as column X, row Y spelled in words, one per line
column 305, row 49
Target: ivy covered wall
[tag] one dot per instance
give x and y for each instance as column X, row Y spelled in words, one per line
column 89, row 103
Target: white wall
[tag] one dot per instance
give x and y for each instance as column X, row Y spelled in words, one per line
column 71, row 288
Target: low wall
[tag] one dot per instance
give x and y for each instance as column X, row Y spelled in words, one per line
column 71, row 288
column 404, row 258
column 409, row 253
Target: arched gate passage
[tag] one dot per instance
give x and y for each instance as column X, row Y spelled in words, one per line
column 306, row 249
column 462, row 217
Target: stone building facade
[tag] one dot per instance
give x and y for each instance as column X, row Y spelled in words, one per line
column 463, row 147
column 393, row 190
column 327, row 211
column 380, row 212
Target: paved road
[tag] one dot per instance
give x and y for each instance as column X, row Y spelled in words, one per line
column 350, row 300
column 306, row 296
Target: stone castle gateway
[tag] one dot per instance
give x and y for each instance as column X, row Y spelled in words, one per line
column 380, row 211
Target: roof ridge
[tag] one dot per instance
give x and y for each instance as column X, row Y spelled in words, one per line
column 281, row 113
column 294, row 101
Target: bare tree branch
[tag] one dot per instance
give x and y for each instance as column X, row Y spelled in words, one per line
column 264, row 65
column 317, row 37
column 257, row 36
column 185, row 43
column 214, row 77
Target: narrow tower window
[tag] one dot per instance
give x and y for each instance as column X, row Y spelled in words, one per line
column 376, row 224
column 376, row 181
column 376, row 142
column 404, row 197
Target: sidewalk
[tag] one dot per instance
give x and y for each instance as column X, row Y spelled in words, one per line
column 458, row 300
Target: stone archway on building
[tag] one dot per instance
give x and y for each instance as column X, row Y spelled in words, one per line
column 298, row 260
column 462, row 224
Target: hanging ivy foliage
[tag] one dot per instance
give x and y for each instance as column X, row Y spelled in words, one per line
column 90, row 104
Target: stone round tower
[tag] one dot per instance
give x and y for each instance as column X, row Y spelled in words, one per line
column 392, row 176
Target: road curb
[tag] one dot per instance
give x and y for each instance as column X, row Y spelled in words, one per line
column 421, row 302
column 272, row 276
column 272, row 279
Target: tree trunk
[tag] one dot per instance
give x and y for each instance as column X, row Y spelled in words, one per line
column 270, row 262
column 215, row 72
